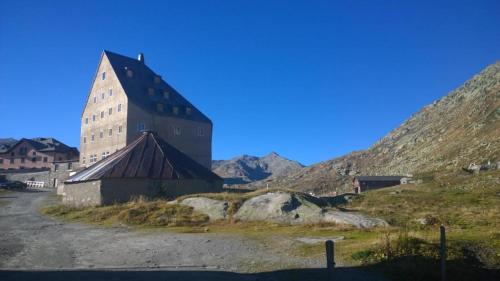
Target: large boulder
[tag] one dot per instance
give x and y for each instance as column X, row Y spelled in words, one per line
column 283, row 207
column 280, row 207
column 354, row 219
column 214, row 209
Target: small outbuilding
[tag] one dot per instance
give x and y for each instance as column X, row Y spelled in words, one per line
column 147, row 167
column 364, row 183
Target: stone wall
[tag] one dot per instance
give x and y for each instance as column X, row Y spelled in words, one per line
column 43, row 175
column 83, row 193
column 110, row 191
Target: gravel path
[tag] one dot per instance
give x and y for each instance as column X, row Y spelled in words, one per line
column 32, row 241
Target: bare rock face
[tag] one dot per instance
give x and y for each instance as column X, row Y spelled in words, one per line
column 357, row 220
column 283, row 207
column 246, row 169
column 214, row 209
column 461, row 128
column 280, row 207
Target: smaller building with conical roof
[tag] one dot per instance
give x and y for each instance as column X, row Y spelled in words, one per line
column 149, row 167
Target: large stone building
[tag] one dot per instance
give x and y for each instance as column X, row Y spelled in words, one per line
column 126, row 98
column 35, row 153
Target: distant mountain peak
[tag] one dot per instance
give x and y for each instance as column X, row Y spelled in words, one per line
column 247, row 168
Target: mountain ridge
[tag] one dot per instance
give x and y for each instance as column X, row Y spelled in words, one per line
column 460, row 128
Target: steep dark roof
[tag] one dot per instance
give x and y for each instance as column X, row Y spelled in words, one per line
column 147, row 157
column 6, row 144
column 379, row 178
column 41, row 144
column 136, row 88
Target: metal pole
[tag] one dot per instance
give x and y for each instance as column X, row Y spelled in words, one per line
column 443, row 252
column 330, row 262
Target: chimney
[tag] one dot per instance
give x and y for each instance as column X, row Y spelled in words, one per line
column 140, row 57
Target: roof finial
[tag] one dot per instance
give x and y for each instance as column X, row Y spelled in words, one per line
column 140, row 57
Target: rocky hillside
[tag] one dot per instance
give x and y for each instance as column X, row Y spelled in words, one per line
column 461, row 128
column 245, row 169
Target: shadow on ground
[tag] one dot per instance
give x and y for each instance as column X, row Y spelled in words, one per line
column 347, row 274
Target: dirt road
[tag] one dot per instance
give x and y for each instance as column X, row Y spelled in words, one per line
column 31, row 241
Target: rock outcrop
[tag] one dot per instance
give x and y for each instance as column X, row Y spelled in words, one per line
column 214, row 209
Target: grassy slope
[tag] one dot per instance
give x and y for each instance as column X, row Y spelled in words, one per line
column 468, row 205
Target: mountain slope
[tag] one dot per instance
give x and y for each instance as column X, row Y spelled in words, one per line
column 452, row 132
column 246, row 168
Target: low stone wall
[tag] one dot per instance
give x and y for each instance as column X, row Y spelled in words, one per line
column 110, row 191
column 83, row 194
column 43, row 176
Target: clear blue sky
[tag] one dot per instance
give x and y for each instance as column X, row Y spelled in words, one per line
column 308, row 79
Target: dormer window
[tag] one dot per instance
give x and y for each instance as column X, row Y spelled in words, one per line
column 166, row 94
column 177, row 131
column 103, row 75
column 189, row 110
column 159, row 107
column 151, row 92
column 130, row 73
column 175, row 110
column 157, row 79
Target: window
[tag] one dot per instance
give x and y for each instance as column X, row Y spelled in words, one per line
column 12, row 154
column 103, row 76
column 201, row 132
column 177, row 131
column 83, row 160
column 119, row 108
column 92, row 137
column 86, row 120
column 60, row 158
column 141, row 127
column 166, row 94
column 84, row 139
column 45, row 159
column 70, row 165
column 34, row 153
column 11, row 161
column 157, row 79
column 22, row 160
column 102, row 96
column 159, row 107
column 189, row 110
column 110, row 92
column 151, row 92
column 130, row 73
column 102, row 114
column 93, row 118
column 110, row 132
column 110, row 111
column 104, row 155
column 93, row 158
column 23, row 151
column 120, row 128
column 1, row 161
column 175, row 110
column 101, row 134
column 33, row 159
column 56, row 167
column 95, row 99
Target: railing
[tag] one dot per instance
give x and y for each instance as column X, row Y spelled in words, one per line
column 35, row 184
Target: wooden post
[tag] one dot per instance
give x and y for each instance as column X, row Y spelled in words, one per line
column 443, row 252
column 330, row 261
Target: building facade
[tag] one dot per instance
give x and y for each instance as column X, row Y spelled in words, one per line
column 364, row 183
column 127, row 98
column 36, row 153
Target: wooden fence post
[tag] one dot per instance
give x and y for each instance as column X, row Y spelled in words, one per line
column 443, row 252
column 330, row 261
